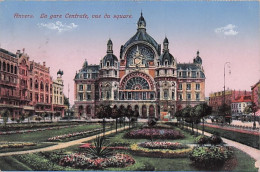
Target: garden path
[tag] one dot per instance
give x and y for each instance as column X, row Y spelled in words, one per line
column 60, row 145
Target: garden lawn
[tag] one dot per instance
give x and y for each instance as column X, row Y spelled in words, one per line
column 41, row 136
column 37, row 146
column 39, row 162
column 10, row 163
column 247, row 139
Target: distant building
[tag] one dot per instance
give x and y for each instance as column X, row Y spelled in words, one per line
column 216, row 99
column 256, row 93
column 144, row 79
column 239, row 104
column 57, row 94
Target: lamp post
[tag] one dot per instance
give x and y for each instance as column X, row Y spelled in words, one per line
column 224, row 96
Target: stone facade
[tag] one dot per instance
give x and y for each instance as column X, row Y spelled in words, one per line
column 143, row 78
column 25, row 86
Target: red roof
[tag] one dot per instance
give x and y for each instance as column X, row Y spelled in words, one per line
column 241, row 99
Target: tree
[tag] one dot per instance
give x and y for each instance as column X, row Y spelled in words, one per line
column 225, row 112
column 178, row 115
column 5, row 113
column 122, row 112
column 189, row 116
column 129, row 114
column 103, row 111
column 252, row 108
column 201, row 111
column 66, row 101
column 115, row 115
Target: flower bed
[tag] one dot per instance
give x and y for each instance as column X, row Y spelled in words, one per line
column 82, row 161
column 155, row 133
column 65, row 136
column 160, row 153
column 162, row 145
column 15, row 145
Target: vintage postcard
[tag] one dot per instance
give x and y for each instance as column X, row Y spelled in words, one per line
column 129, row 86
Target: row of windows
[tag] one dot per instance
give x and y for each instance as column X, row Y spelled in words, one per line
column 8, row 79
column 89, row 75
column 238, row 105
column 87, row 96
column 8, row 68
column 81, row 87
column 188, row 86
column 166, row 63
column 166, row 72
column 41, row 98
column 188, row 96
column 192, row 74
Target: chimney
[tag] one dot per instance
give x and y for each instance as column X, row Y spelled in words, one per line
column 18, row 53
column 44, row 64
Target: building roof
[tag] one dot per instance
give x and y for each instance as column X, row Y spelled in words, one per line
column 142, row 35
column 166, row 56
column 7, row 52
column 256, row 84
column 111, row 58
column 241, row 99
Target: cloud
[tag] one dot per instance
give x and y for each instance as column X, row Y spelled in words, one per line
column 227, row 30
column 58, row 26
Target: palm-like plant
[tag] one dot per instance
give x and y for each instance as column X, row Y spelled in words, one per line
column 5, row 114
column 100, row 148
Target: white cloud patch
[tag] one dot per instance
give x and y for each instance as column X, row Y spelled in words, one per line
column 58, row 26
column 228, row 30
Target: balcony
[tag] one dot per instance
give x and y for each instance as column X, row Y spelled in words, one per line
column 8, row 83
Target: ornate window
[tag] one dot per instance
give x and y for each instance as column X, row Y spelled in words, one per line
column 188, row 86
column 197, row 86
column 137, row 83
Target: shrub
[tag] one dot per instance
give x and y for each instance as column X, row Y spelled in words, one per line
column 202, row 140
column 147, row 167
column 215, row 140
column 210, row 157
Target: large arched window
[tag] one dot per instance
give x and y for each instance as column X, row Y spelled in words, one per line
column 12, row 69
column 36, row 84
column 137, row 83
column 42, row 86
column 8, row 67
column 4, row 66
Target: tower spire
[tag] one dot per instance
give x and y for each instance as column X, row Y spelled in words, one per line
column 141, row 23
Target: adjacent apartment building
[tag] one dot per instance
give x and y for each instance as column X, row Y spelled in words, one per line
column 26, row 86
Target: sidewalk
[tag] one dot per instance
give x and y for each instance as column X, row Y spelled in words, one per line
column 252, row 152
column 61, row 145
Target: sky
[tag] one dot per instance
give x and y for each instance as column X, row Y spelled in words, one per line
column 222, row 31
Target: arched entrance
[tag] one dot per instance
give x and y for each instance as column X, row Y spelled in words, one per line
column 136, row 111
column 151, row 111
column 80, row 112
column 88, row 109
column 144, row 111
